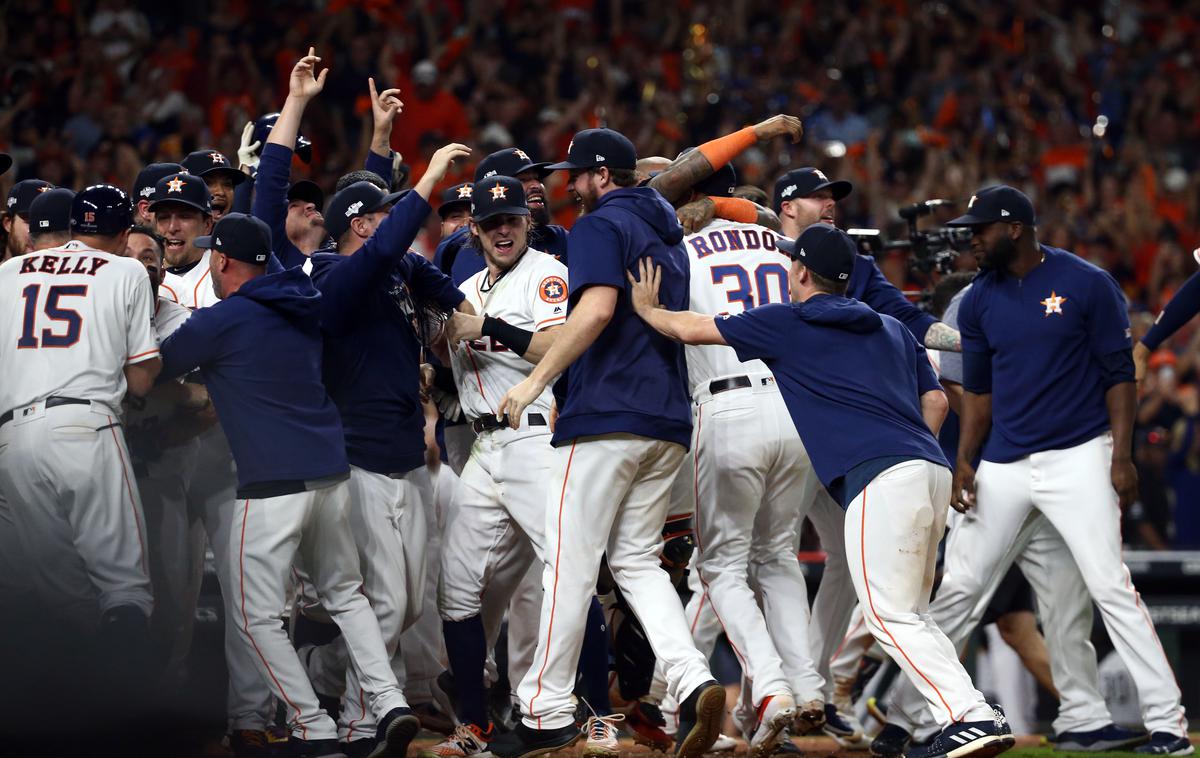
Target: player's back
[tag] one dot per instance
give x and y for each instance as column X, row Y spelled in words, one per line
column 734, row 267
column 66, row 327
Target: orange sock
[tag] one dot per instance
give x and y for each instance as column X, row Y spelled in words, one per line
column 735, row 209
column 724, row 149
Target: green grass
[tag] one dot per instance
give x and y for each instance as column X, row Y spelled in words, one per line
column 1047, row 752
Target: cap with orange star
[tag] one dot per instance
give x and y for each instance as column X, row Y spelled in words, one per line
column 496, row 195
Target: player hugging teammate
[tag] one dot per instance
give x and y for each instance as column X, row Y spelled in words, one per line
column 603, row 389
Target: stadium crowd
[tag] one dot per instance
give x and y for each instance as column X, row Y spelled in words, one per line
column 1089, row 109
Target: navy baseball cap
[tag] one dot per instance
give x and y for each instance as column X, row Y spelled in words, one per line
column 5, row 162
column 458, row 196
column 824, row 249
column 205, row 162
column 21, row 196
column 593, row 148
column 997, row 203
column 802, row 182
column 182, row 188
column 509, row 162
column 101, row 209
column 50, row 211
column 241, row 237
column 721, row 183
column 356, row 200
column 307, row 191
column 496, row 195
column 143, row 187
column 262, row 130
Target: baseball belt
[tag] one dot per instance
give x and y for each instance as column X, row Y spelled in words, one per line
column 51, row 402
column 490, row 422
column 735, row 383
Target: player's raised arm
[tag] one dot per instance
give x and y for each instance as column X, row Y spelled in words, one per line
column 687, row 327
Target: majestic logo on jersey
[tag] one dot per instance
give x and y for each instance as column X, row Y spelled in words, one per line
column 521, row 154
column 465, row 191
column 1054, row 303
column 788, row 191
column 354, row 208
column 176, row 185
column 553, row 289
column 499, row 192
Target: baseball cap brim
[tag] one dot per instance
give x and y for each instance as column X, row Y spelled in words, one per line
column 445, row 208
column 786, row 245
column 237, row 176
column 969, row 219
column 306, row 190
column 543, row 169
column 387, row 200
column 840, row 188
column 6, row 162
column 178, row 201
column 512, row 210
column 204, row 242
column 568, row 166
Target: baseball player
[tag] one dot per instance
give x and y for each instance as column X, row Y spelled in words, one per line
column 161, row 436
column 873, row 403
column 143, row 189
column 50, row 219
column 219, row 175
column 80, row 339
column 1047, row 365
column 1184, row 304
column 182, row 209
column 753, row 481
column 455, row 209
column 16, row 214
column 259, row 350
column 500, row 505
column 626, row 422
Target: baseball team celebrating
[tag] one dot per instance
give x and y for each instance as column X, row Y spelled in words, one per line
column 615, row 403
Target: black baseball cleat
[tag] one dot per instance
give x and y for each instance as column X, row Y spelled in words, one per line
column 523, row 742
column 1110, row 737
column 1166, row 743
column 700, row 718
column 978, row 739
column 394, row 733
column 315, row 749
column 891, row 742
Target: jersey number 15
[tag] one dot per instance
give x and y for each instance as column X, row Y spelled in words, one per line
column 54, row 312
column 758, row 292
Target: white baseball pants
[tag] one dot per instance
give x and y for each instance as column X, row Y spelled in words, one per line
column 892, row 532
column 312, row 528
column 1070, row 488
column 983, row 543
column 753, row 481
column 835, row 600
column 76, row 510
column 609, row 493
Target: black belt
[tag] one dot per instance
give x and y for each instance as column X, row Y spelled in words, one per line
column 490, row 422
column 51, row 402
column 735, row 383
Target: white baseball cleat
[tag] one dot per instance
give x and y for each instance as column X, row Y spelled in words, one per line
column 775, row 713
column 601, row 733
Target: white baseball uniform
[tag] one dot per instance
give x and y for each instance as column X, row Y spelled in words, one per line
column 172, row 287
column 752, row 475
column 500, row 504
column 75, row 318
column 193, row 288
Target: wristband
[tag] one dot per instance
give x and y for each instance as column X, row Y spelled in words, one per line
column 514, row 338
column 735, row 209
column 724, row 149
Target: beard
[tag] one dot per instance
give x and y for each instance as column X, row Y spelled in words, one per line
column 539, row 216
column 1003, row 253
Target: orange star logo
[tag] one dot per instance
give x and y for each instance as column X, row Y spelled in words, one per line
column 464, row 191
column 175, row 185
column 1054, row 303
column 499, row 192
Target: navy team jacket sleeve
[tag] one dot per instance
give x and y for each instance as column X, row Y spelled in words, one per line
column 883, row 297
column 595, row 256
column 345, row 286
column 380, row 165
column 755, row 333
column 977, row 353
column 193, row 344
column 427, row 281
column 270, row 201
column 242, row 194
column 1183, row 306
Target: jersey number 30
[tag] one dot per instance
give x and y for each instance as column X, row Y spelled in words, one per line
column 55, row 312
column 760, row 291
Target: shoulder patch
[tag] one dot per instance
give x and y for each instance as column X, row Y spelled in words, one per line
column 553, row 289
